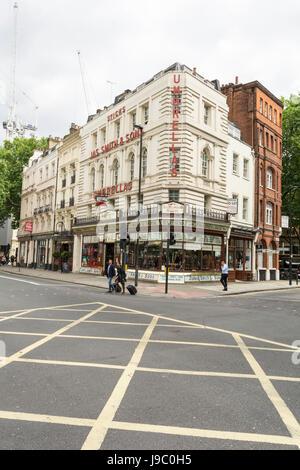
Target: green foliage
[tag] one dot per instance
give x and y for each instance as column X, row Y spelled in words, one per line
column 65, row 255
column 291, row 158
column 56, row 254
column 13, row 157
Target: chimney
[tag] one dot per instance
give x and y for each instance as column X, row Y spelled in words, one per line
column 236, row 80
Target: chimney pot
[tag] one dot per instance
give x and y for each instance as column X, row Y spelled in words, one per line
column 236, row 80
column 194, row 70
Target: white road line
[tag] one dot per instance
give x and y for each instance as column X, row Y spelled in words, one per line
column 40, row 418
column 21, row 280
column 47, row 338
column 98, row 432
column 284, row 412
column 204, row 433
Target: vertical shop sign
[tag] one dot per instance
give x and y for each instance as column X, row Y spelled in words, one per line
column 176, row 99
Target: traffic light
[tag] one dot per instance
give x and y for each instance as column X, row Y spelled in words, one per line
column 124, row 242
column 172, row 239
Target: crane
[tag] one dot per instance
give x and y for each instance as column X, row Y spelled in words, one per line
column 87, row 101
column 111, row 88
column 10, row 125
column 13, row 126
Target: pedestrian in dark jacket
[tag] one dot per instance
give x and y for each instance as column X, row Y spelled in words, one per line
column 111, row 272
column 121, row 277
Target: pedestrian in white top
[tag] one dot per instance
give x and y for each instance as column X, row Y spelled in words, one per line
column 224, row 276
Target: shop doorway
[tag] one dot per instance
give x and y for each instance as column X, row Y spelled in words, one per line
column 109, row 253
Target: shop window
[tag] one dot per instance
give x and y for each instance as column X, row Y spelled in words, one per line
column 248, row 255
column 239, row 255
column 92, row 253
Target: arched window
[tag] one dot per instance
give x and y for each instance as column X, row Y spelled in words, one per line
column 101, row 176
column 131, row 167
column 144, row 163
column 93, row 179
column 115, row 172
column 270, row 178
column 205, row 163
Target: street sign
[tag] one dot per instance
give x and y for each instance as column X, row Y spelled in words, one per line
column 232, row 206
column 28, row 226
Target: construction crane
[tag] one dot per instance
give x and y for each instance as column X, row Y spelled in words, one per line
column 87, row 101
column 111, row 88
column 13, row 126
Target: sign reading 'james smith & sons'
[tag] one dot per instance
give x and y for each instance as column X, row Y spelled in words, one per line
column 116, row 143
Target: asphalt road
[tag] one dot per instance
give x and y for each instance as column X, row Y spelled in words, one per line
column 84, row 369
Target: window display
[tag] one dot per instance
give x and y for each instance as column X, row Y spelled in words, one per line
column 92, row 253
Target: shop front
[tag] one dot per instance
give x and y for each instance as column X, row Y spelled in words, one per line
column 240, row 255
column 189, row 261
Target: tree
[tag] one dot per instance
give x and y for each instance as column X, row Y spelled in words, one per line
column 291, row 159
column 13, row 157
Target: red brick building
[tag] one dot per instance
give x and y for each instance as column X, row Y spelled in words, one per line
column 258, row 113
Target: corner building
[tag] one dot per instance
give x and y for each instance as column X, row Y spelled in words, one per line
column 184, row 158
column 258, row 114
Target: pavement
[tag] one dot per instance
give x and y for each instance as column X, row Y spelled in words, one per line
column 85, row 370
column 195, row 290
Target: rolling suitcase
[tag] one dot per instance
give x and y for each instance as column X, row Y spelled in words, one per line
column 132, row 290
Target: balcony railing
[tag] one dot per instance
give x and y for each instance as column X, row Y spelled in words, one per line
column 41, row 210
column 218, row 216
column 86, row 221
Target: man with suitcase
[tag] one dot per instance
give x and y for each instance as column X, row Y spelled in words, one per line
column 111, row 272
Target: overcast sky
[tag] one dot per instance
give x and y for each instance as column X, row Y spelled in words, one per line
column 128, row 41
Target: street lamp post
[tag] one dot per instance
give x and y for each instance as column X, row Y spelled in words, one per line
column 139, row 205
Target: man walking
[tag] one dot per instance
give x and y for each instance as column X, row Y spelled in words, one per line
column 111, row 272
column 224, row 276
